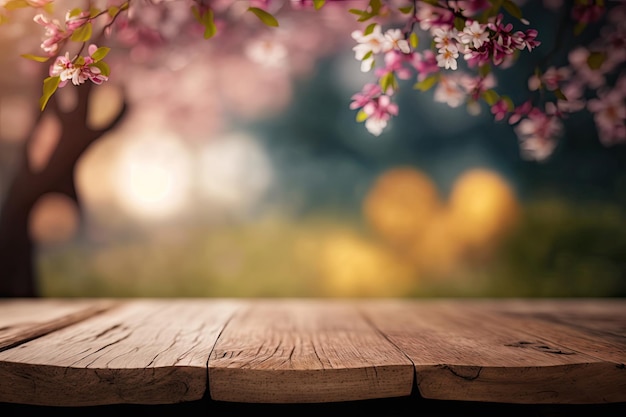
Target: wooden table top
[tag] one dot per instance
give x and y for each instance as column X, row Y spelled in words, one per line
column 83, row 352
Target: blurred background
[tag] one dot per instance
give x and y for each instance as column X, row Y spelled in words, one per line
column 240, row 171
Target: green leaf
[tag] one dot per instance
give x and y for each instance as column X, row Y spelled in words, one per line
column 365, row 17
column 196, row 13
column 357, row 12
column 318, row 4
column 375, row 6
column 93, row 12
column 50, row 85
column 406, row 10
column 459, row 23
column 484, row 70
column 83, row 33
column 367, row 55
column 209, row 24
column 490, row 96
column 559, row 94
column 579, row 28
column 75, row 12
column 16, row 4
column 264, row 16
column 103, row 67
column 35, row 57
column 113, row 10
column 509, row 103
column 369, row 29
column 427, row 83
column 388, row 81
column 100, row 53
column 512, row 8
column 414, row 40
column 361, row 116
column 596, row 59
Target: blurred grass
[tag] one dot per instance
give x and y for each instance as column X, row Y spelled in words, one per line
column 558, row 249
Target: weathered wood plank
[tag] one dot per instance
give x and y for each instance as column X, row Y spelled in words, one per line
column 305, row 351
column 25, row 319
column 595, row 328
column 463, row 352
column 141, row 352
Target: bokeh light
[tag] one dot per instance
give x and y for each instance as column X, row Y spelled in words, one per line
column 153, row 176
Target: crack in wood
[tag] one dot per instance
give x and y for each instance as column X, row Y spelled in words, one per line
column 541, row 347
column 476, row 369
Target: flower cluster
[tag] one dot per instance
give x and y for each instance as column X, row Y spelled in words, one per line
column 80, row 69
column 466, row 40
column 456, row 33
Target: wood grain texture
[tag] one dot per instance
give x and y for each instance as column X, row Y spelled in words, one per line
column 481, row 351
column 163, row 351
column 141, row 352
column 305, row 351
column 22, row 319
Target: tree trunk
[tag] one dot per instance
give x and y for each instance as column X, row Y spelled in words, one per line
column 17, row 250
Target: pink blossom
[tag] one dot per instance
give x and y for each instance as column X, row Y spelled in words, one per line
column 578, row 60
column 54, row 34
column 67, row 69
column 609, row 112
column 425, row 63
column 520, row 111
column 379, row 112
column 447, row 57
column 74, row 22
column 587, row 13
column 366, row 95
column 551, row 79
column 63, row 68
column 475, row 86
column 430, row 16
column 369, row 44
column 538, row 135
column 450, row 91
column 474, row 34
column 394, row 62
column 500, row 109
column 395, row 40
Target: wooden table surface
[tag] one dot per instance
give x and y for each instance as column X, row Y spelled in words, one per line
column 84, row 352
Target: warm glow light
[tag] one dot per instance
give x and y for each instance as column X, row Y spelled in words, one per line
column 401, row 203
column 54, row 219
column 154, row 176
column 353, row 267
column 235, row 173
column 483, row 207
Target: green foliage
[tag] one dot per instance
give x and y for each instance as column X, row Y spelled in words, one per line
column 100, row 53
column 83, row 33
column 564, row 249
column 35, row 57
column 16, row 4
column 427, row 83
column 50, row 85
column 490, row 96
column 388, row 81
column 373, row 10
column 264, row 16
column 361, row 116
column 318, row 4
column 596, row 59
column 206, row 19
column 512, row 9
